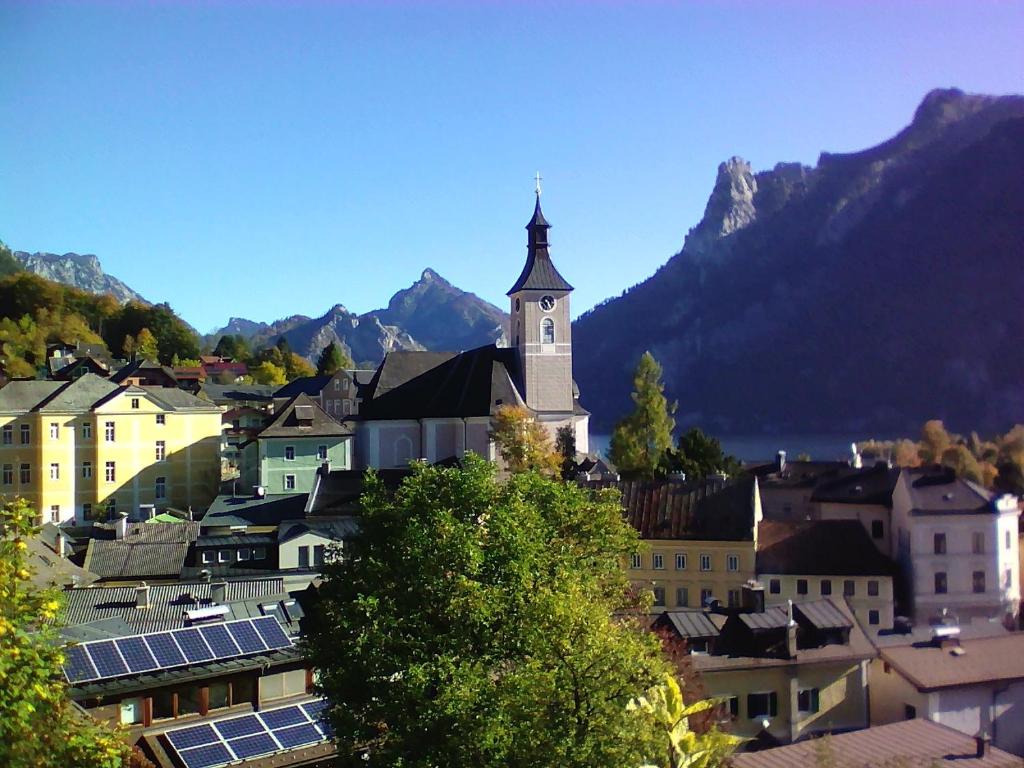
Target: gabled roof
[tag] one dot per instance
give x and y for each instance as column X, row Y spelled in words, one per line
column 142, row 368
column 242, row 511
column 304, row 385
column 689, row 623
column 240, row 392
column 22, row 395
column 937, row 491
column 819, row 548
column 302, row 417
column 336, row 529
column 146, row 551
column 870, row 485
column 338, row 491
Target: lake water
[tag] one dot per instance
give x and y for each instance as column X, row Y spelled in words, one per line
column 754, row 448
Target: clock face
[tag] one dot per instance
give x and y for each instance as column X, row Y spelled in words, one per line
column 547, row 303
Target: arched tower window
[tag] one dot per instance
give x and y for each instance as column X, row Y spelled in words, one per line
column 547, row 331
column 403, row 451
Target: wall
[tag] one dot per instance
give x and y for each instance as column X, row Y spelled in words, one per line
column 860, row 602
column 288, row 551
column 274, row 467
column 867, row 514
column 719, row 580
column 890, row 693
column 547, row 369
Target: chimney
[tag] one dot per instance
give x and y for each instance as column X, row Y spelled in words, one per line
column 121, row 525
column 982, row 741
column 325, row 468
column 142, row 595
column 780, row 461
column 855, row 458
column 790, row 631
column 219, row 592
column 147, row 512
column 753, row 596
column 61, row 546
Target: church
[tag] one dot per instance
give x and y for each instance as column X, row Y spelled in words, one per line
column 438, row 405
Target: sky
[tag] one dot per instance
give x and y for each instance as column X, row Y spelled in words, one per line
column 267, row 159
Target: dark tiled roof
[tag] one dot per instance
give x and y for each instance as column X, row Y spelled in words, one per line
column 871, row 485
column 339, row 490
column 705, row 511
column 302, row 417
column 237, row 392
column 20, row 396
column 693, row 623
column 305, row 385
column 146, row 551
column 984, row 660
column 228, row 510
column 142, row 368
column 539, row 273
column 799, row 474
column 819, row 548
column 467, row 384
column 336, row 529
column 935, row 491
column 48, row 569
column 79, row 395
column 173, row 399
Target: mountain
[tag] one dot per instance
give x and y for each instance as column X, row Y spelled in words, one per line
column 430, row 314
column 81, row 271
column 866, row 294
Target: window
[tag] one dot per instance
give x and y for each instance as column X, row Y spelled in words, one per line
column 318, row 554
column 224, row 556
column 54, row 430
column 705, row 562
column 1007, row 539
column 705, row 596
column 826, row 586
column 734, row 598
column 636, row 561
column 547, row 331
column 659, row 597
column 978, row 542
column 161, row 419
column 289, row 482
column 849, row 588
column 259, row 553
column 732, row 562
column 110, row 472
column 160, row 488
column 26, row 434
column 659, row 561
column 8, row 434
column 680, row 561
column 303, row 557
column 978, row 581
column 801, row 586
column 87, row 511
column 940, row 583
column 245, row 553
column 734, row 706
column 289, row 453
column 86, row 431
column 135, row 403
column 762, row 704
column 8, row 476
column 682, row 597
column 163, row 703
column 219, row 697
column 321, row 452
column 940, row 543
column 873, row 617
column 208, row 556
column 337, row 384
column 877, row 529
column 55, row 513
column 807, row 700
column 775, row 586
column 87, row 470
column 108, row 431
column 25, row 474
column 161, row 450
column 873, row 588
column 55, row 471
column 909, row 711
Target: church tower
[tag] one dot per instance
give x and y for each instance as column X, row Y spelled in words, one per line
column 541, row 329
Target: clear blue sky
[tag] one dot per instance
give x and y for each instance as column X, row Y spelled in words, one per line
column 268, row 159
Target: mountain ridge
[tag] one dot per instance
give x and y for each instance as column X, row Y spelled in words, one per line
column 79, row 270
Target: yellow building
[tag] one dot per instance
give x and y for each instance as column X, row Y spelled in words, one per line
column 89, row 448
column 699, row 538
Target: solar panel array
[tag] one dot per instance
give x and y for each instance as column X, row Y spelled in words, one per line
column 256, row 734
column 103, row 659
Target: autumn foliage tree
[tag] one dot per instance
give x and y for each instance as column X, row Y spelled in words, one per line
column 524, row 444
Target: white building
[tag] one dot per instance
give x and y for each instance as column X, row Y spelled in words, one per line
column 957, row 546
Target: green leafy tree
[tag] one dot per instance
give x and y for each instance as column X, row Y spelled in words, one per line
column 8, row 264
column 472, row 624
column 700, row 455
column 565, row 447
column 268, row 373
column 39, row 728
column 235, row 347
column 524, row 444
column 332, row 359
column 296, row 367
column 640, row 440
column 146, row 346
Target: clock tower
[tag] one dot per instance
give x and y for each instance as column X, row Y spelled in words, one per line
column 541, row 329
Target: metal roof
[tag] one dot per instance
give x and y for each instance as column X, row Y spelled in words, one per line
column 146, row 551
column 822, row 614
column 693, row 623
column 772, row 618
column 984, row 660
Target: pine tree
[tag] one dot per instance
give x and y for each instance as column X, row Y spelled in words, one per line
column 640, row 440
column 332, row 360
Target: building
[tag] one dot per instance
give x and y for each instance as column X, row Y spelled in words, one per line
column 134, row 551
column 911, row 743
column 972, row 685
column 339, row 394
column 822, row 558
column 957, row 545
column 787, row 487
column 699, row 538
column 858, row 494
column 89, row 448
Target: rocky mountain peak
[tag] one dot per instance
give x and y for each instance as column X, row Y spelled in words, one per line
column 82, row 271
column 730, row 207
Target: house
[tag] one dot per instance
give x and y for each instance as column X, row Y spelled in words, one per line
column 137, row 551
column 957, row 545
column 224, row 370
column 787, row 487
column 255, row 512
column 911, row 743
column 309, row 543
column 339, row 394
column 79, row 366
column 972, row 685
column 862, row 494
column 236, row 554
column 145, row 373
column 698, row 628
column 240, row 425
column 285, row 454
column 258, row 396
column 699, row 538
column 87, row 449
column 821, row 558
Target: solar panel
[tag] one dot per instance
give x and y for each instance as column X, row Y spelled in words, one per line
column 106, row 658
column 279, row 718
column 136, row 654
column 192, row 645
column 271, row 632
column 251, row 746
column 165, row 650
column 240, row 726
column 219, row 640
column 205, row 756
column 77, row 664
column 246, row 637
column 184, row 738
column 298, row 735
column 315, row 708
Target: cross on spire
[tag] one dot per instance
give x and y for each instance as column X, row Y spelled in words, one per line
column 537, row 179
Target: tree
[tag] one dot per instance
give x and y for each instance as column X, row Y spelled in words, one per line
column 146, row 346
column 935, row 441
column 128, row 346
column 297, row 367
column 478, row 624
column 268, row 373
column 565, row 447
column 332, row 360
column 524, row 444
column 700, row 455
column 640, row 440
column 38, row 725
column 234, row 347
column 8, row 264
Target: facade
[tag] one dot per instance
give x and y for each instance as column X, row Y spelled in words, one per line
column 859, row 494
column 87, row 449
column 957, row 545
column 339, row 394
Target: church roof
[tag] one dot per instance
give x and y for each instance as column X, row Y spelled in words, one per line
column 539, row 274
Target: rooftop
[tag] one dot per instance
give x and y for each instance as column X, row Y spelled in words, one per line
column 972, row 662
column 819, row 548
column 147, row 550
column 870, row 485
column 303, row 417
column 242, row 511
column 935, row 491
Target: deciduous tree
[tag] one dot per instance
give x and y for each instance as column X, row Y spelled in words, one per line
column 524, row 444
column 699, row 455
column 146, row 346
